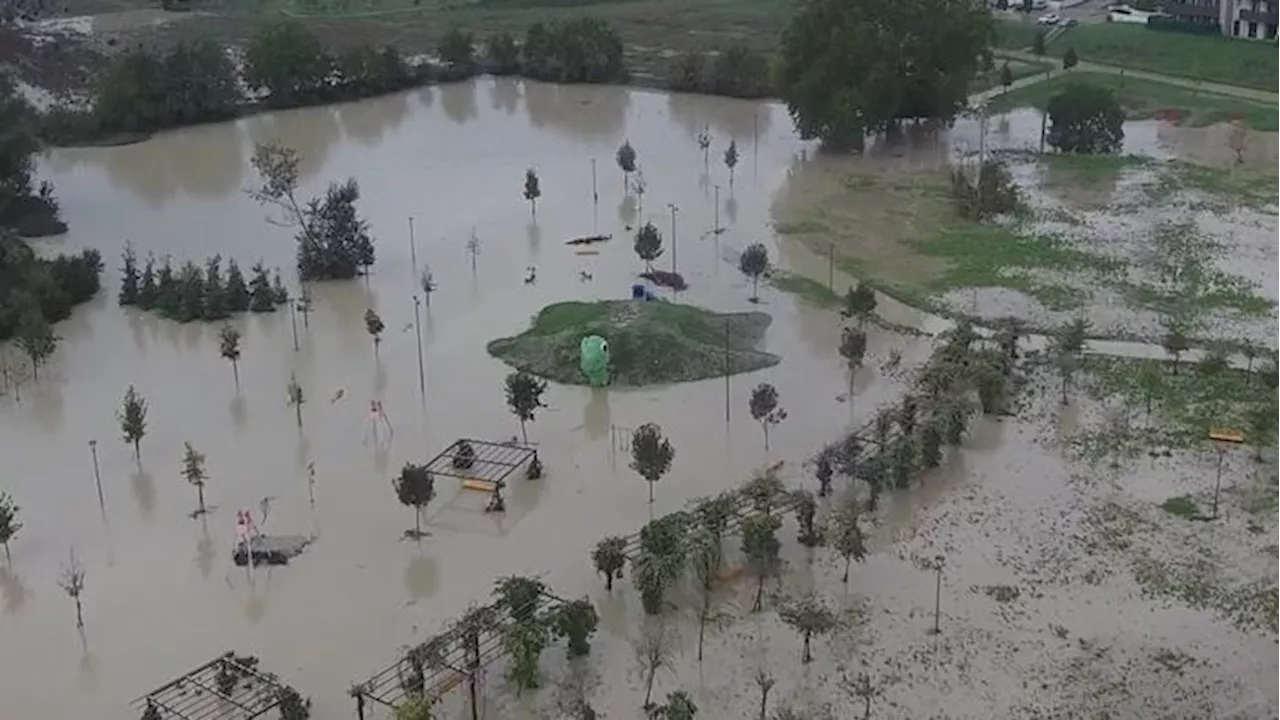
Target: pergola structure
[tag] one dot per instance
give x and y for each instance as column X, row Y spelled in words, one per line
column 444, row 661
column 225, row 688
column 483, row 465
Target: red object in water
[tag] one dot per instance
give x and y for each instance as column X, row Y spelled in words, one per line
column 1171, row 115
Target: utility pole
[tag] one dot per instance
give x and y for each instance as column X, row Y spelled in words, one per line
column 417, row 329
column 293, row 323
column 595, row 196
column 413, row 250
column 716, row 229
column 674, row 209
column 726, row 372
column 97, row 474
column 938, row 563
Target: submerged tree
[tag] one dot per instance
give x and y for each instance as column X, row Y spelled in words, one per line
column 576, row 621
column 532, row 190
column 679, row 706
column 133, row 420
column 524, row 397
column 765, row 410
column 764, row 681
column 194, row 472
column 844, row 532
column 731, row 159
column 415, row 487
column 859, row 302
column 1176, row 341
column 809, row 616
column 626, row 158
column 129, row 276
column 653, row 652
column 806, row 510
column 610, row 557
column 229, row 349
column 237, row 292
column 35, row 338
column 71, row 580
column 754, row 262
column 9, row 523
column 824, row 470
column 521, row 596
column 648, row 245
column 760, row 545
column 651, row 454
column 295, row 397
column 374, row 325
column 524, row 643
column 704, row 144
column 1085, row 119
column 704, row 556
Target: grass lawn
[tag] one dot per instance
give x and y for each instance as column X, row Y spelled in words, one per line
column 1019, row 70
column 1015, row 34
column 1143, row 99
column 1218, row 59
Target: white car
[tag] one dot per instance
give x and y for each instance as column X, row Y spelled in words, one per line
column 1050, row 19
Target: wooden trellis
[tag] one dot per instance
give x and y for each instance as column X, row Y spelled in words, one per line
column 226, row 688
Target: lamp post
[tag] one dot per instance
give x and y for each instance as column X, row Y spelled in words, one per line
column 97, row 473
column 417, row 329
column 674, row 210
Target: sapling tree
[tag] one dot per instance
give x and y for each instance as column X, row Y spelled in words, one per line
column 129, row 276
column 731, row 159
column 844, row 532
column 651, row 454
column 415, row 487
column 809, row 616
column 806, row 509
column 609, row 558
column 524, row 397
column 760, row 546
column 1238, row 139
column 9, row 523
column 853, row 347
column 1070, row 59
column 292, row 705
column 661, row 559
column 374, row 325
column 521, row 596
column 71, row 580
column 754, row 262
column 1175, row 341
column 679, row 706
column 648, row 245
column 764, row 409
column 194, row 472
column 704, row 144
column 653, row 652
column 823, row 471
column 413, row 708
column 626, row 158
column 295, row 397
column 35, row 338
column 704, row 556
column 639, row 187
column 576, row 621
column 764, row 681
column 133, row 420
column 229, row 349
column 532, row 190
column 524, row 643
column 862, row 688
column 1006, row 76
column 859, row 302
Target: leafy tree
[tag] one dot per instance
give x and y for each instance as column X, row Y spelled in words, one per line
column 415, row 487
column 532, row 191
column 859, row 302
column 651, row 454
column 851, row 67
column 626, row 157
column 765, row 410
column 521, row 596
column 731, row 159
column 1070, row 59
column 754, row 262
column 1066, row 362
column 713, row 513
column 285, row 59
column 142, row 91
column 374, row 325
column 806, row 509
column 704, row 557
column 129, row 277
column 760, row 546
column 1085, row 119
column 261, row 296
column 930, row 445
column 229, row 349
column 809, row 616
column 133, row 420
column 457, row 50
column 71, row 580
column 1006, row 76
column 503, row 53
column 687, row 72
column 1037, row 43
column 824, row 471
column 704, row 143
column 292, row 706
column 524, row 397
column 524, row 643
column 739, row 71
column 9, row 524
column 36, row 339
column 580, row 50
column 845, row 534
column 194, row 472
column 280, row 294
column 1176, row 341
column 295, row 397
column 609, row 557
column 679, row 706
column 576, row 621
column 853, row 348
column 648, row 245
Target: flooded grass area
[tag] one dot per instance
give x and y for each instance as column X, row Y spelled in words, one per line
column 1142, row 99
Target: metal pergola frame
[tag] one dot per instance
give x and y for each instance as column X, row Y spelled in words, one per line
column 196, row 696
column 493, row 461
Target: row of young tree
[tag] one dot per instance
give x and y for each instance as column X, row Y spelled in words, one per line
column 191, row 292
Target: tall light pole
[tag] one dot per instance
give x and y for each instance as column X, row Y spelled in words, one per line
column 595, row 197
column 97, row 474
column 413, row 250
column 716, row 228
column 293, row 322
column 674, row 210
column 417, row 329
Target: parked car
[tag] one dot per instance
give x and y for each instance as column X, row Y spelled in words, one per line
column 1050, row 19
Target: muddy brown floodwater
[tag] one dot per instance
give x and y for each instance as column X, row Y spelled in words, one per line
column 162, row 594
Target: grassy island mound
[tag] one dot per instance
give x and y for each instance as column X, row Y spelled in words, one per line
column 650, row 343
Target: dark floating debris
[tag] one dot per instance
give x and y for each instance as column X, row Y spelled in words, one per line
column 588, row 240
column 662, row 278
column 271, row 549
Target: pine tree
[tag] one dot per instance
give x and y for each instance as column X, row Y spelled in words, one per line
column 147, row 284
column 261, row 297
column 237, row 291
column 129, row 277
column 167, row 298
column 215, row 291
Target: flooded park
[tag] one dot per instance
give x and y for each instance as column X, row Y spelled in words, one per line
column 440, row 172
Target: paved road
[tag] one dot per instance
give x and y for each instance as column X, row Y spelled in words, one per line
column 1215, row 88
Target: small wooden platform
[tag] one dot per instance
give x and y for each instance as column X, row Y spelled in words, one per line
column 1230, row 435
column 478, row 484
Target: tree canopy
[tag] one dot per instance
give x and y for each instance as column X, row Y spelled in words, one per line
column 1085, row 119
column 851, row 67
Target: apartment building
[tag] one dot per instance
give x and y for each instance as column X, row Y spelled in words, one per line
column 1251, row 19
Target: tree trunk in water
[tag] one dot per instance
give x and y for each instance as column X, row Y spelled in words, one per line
column 417, row 523
column 35, row 370
column 845, row 579
column 1064, row 389
column 79, row 614
column 297, row 410
column 523, row 434
column 755, row 289
column 200, row 497
column 648, row 687
column 650, row 492
column 608, row 582
column 9, row 560
column 702, row 618
column 806, row 657
column 764, row 702
column 866, row 708
column 759, row 594
column 235, row 372
column 765, row 427
column 137, row 450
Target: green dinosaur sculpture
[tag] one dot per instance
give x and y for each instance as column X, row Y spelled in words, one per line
column 595, row 360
